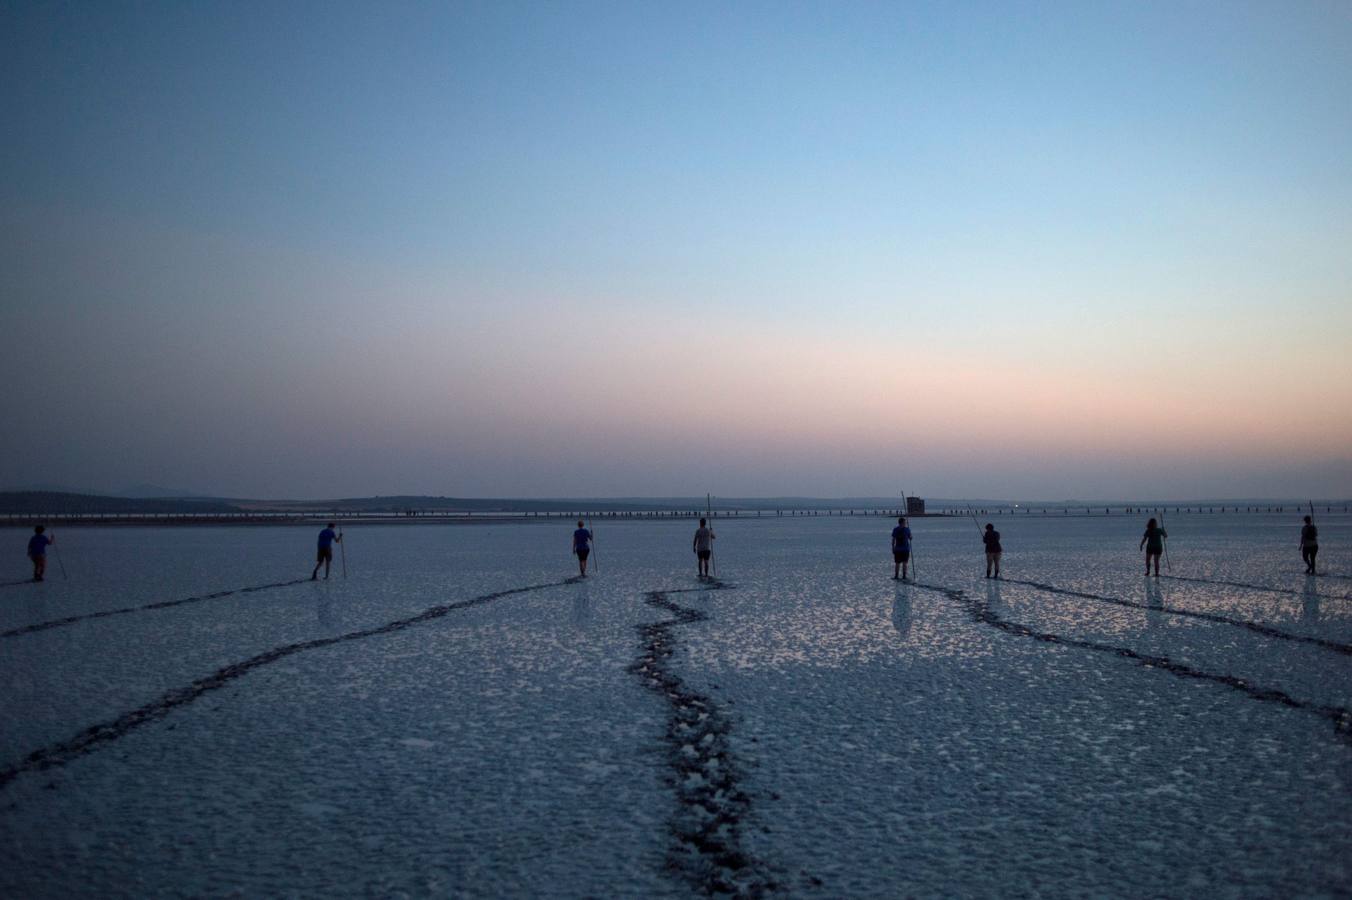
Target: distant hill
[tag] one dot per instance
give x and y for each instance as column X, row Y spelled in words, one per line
column 37, row 503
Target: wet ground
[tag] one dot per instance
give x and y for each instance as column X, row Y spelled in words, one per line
column 462, row 717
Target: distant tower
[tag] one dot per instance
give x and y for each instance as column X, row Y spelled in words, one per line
column 915, row 506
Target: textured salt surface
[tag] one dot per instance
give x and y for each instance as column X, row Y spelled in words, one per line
column 458, row 718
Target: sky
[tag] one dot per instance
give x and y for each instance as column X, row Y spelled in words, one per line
column 1018, row 250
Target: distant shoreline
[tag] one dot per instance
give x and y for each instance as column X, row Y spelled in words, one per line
column 276, row 519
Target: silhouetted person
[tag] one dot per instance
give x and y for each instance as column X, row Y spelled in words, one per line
column 325, row 555
column 1153, row 542
column 37, row 551
column 901, row 549
column 1309, row 545
column 582, row 539
column 704, row 547
column 993, row 550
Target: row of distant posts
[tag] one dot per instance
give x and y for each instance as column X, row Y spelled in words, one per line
column 915, row 507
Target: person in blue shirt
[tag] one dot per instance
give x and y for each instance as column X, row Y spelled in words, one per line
column 582, row 539
column 325, row 556
column 901, row 549
column 37, row 551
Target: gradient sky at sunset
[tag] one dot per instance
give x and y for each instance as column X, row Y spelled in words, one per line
column 1022, row 250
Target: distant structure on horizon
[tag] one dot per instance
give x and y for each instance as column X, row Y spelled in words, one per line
column 915, row 506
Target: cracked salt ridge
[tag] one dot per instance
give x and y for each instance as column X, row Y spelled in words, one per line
column 1259, row 587
column 707, row 826
column 980, row 612
column 1257, row 627
column 106, row 732
column 163, row 604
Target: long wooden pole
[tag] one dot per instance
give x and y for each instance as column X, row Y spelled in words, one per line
column 709, row 516
column 915, row 566
column 342, row 550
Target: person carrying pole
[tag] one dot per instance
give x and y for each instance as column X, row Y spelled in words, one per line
column 582, row 541
column 1153, row 544
column 1309, row 542
column 37, row 551
column 703, row 546
column 901, row 549
column 324, row 557
column 991, row 538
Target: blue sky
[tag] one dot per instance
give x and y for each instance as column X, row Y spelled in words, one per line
column 1014, row 250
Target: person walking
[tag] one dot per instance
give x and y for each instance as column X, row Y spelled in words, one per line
column 325, row 555
column 582, row 539
column 704, row 546
column 991, row 538
column 1153, row 544
column 901, row 549
column 1309, row 544
column 37, row 551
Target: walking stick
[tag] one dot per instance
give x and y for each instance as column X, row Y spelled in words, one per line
column 915, row 565
column 596, row 557
column 709, row 514
column 342, row 550
column 1168, row 566
column 57, row 551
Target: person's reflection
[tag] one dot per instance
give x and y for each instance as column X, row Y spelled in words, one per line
column 1309, row 601
column 993, row 595
column 901, row 609
column 582, row 606
column 1154, row 601
column 324, row 609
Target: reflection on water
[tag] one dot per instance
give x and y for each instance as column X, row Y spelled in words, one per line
column 1309, row 600
column 901, row 609
column 582, row 604
column 1154, row 599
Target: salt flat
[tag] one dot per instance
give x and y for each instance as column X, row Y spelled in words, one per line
column 460, row 717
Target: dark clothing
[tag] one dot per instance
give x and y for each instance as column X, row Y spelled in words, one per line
column 1154, row 541
column 37, row 545
column 992, row 541
column 901, row 539
column 1309, row 537
column 326, row 538
column 582, row 541
column 901, row 556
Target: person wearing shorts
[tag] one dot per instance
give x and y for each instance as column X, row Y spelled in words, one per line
column 993, row 550
column 1309, row 544
column 582, row 539
column 704, row 547
column 1153, row 543
column 901, row 549
column 37, row 551
column 324, row 557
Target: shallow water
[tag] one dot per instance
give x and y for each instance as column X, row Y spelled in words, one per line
column 816, row 727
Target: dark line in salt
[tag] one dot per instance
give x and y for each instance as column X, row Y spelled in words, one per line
column 163, row 604
column 104, row 733
column 981, row 613
column 1256, row 587
column 1256, row 627
column 706, row 829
